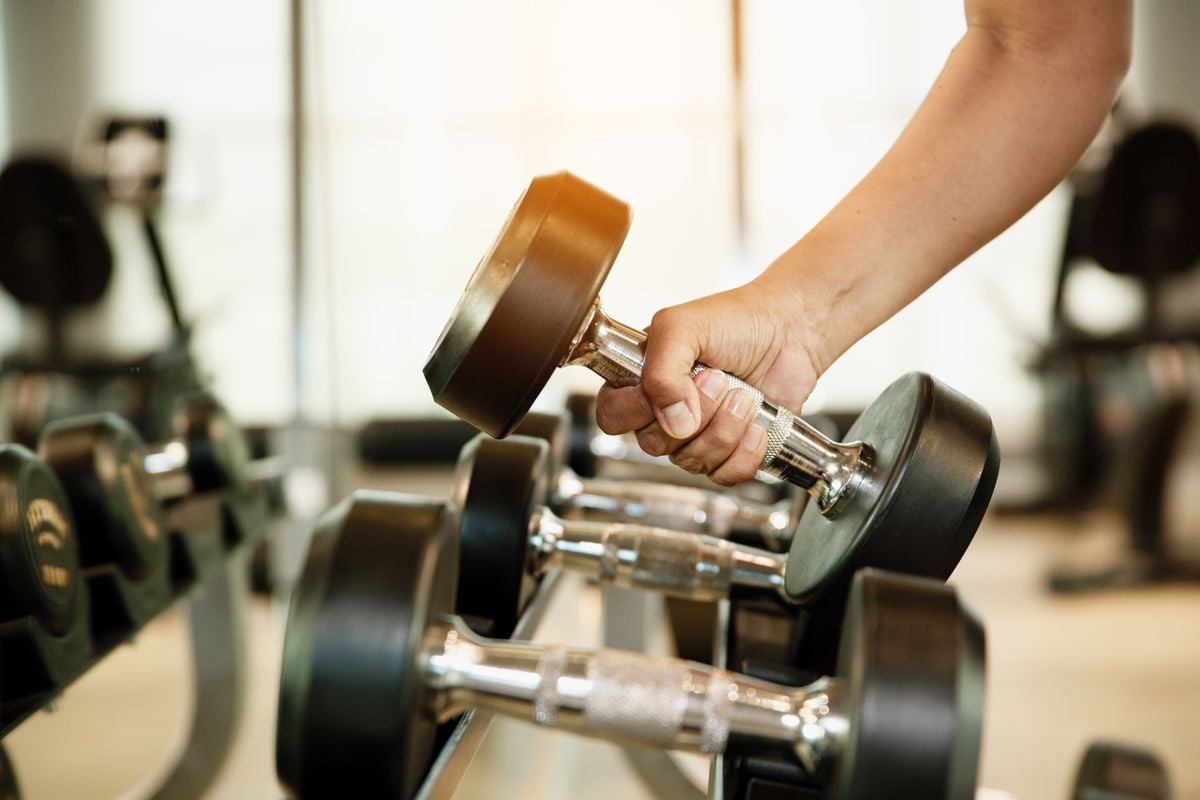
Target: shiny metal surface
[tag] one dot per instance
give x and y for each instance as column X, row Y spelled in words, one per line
column 626, row 697
column 687, row 565
column 456, row 755
column 683, row 508
column 797, row 452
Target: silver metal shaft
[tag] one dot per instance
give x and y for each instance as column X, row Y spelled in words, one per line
column 626, row 697
column 796, row 452
column 680, row 564
column 682, row 508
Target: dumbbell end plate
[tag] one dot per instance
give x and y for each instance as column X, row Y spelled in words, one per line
column 499, row 487
column 526, row 301
column 379, row 569
column 912, row 659
column 933, row 465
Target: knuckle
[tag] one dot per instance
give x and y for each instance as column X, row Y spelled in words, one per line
column 607, row 419
column 665, row 319
column 651, row 443
column 724, row 438
column 685, row 461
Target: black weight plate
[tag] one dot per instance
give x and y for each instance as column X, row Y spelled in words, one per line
column 526, row 301
column 934, row 460
column 912, row 664
column 380, row 568
column 53, row 252
column 100, row 461
column 499, row 487
column 1146, row 220
column 9, row 789
column 39, row 552
column 1111, row 771
column 582, row 408
column 554, row 430
column 217, row 451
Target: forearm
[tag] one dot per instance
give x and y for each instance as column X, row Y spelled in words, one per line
column 1002, row 125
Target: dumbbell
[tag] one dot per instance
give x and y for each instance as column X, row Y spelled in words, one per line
column 509, row 536
column 39, row 551
column 1112, row 771
column 663, row 505
column 921, row 457
column 374, row 659
column 116, row 485
column 100, row 461
column 593, row 453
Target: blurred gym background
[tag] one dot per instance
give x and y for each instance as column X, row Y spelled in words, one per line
column 335, row 170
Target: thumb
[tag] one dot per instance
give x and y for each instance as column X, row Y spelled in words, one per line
column 672, row 347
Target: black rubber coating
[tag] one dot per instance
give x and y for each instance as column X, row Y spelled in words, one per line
column 1145, row 219
column 9, row 787
column 912, row 662
column 53, row 252
column 554, row 430
column 1111, row 771
column 499, row 487
column 39, row 550
column 581, row 457
column 526, row 301
column 380, row 568
column 100, row 460
column 934, row 460
column 217, row 451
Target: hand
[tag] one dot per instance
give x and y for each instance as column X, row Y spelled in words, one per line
column 757, row 332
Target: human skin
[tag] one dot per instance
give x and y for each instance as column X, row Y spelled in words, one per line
column 1020, row 97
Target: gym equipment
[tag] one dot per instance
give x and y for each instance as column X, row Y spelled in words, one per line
column 53, row 254
column 1111, row 771
column 131, row 168
column 9, row 788
column 99, row 459
column 921, row 458
column 661, row 505
column 374, row 659
column 54, row 260
column 39, row 553
column 509, row 537
column 44, row 613
column 1144, row 219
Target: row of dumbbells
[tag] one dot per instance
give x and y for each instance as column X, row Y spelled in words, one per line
column 385, row 643
column 384, row 637
column 93, row 542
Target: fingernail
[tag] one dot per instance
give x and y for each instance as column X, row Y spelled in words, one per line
column 752, row 438
column 739, row 403
column 713, row 383
column 680, row 422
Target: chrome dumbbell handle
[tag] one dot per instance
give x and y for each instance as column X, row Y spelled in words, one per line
column 624, row 696
column 796, row 451
column 687, row 565
column 684, row 508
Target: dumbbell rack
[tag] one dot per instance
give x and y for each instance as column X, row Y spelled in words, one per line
column 210, row 535
column 461, row 738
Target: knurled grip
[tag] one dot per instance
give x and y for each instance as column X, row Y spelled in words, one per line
column 546, row 701
column 636, row 698
column 776, row 421
column 679, row 563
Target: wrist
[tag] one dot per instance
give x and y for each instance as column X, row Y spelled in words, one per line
column 798, row 289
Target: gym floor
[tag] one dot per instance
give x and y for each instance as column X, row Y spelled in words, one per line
column 1062, row 671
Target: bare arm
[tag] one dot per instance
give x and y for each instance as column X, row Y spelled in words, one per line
column 1020, row 97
